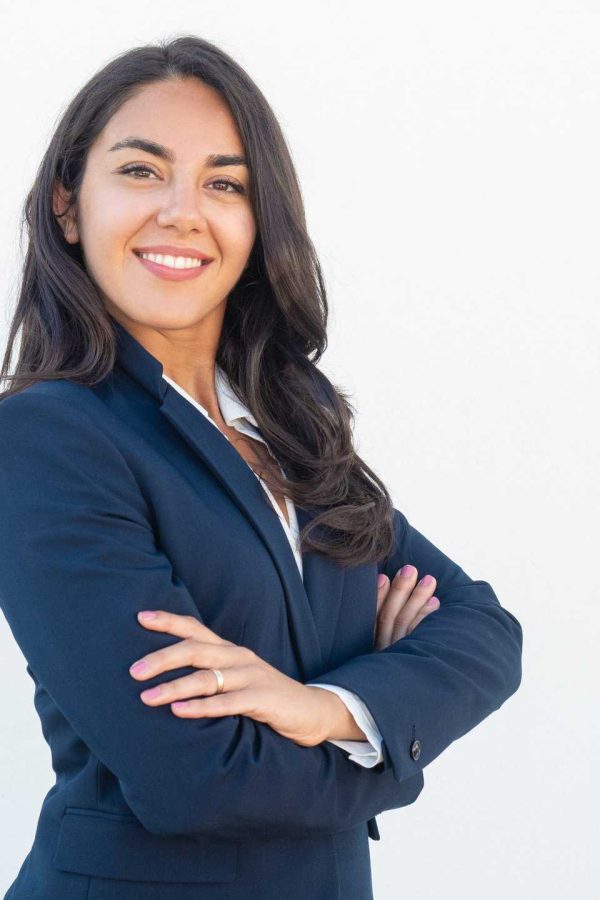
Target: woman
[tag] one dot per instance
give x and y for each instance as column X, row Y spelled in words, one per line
column 168, row 444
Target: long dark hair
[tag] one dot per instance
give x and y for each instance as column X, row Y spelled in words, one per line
column 274, row 328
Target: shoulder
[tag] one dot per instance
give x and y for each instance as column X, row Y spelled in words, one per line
column 52, row 412
column 59, row 389
column 56, row 396
column 57, row 437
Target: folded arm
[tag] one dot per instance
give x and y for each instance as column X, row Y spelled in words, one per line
column 438, row 682
column 78, row 561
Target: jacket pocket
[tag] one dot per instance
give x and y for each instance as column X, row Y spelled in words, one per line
column 110, row 845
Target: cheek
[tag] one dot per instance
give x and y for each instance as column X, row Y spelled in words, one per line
column 106, row 241
column 235, row 235
column 248, row 227
column 110, row 220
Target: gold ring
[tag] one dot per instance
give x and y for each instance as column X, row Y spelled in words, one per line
column 220, row 680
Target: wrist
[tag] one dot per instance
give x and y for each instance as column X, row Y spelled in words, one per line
column 338, row 723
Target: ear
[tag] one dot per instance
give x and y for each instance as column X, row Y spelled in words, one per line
column 64, row 215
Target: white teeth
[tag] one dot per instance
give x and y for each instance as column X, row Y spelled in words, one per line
column 173, row 262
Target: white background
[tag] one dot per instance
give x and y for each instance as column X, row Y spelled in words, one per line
column 449, row 157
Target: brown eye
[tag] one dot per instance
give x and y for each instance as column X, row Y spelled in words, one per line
column 238, row 188
column 137, row 168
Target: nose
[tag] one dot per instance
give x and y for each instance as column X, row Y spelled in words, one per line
column 182, row 208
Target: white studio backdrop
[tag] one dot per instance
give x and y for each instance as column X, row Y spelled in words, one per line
column 448, row 155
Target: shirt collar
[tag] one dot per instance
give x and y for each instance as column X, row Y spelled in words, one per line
column 231, row 407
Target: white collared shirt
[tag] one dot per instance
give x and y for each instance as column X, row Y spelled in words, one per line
column 237, row 415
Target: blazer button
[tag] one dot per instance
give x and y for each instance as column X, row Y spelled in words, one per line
column 415, row 749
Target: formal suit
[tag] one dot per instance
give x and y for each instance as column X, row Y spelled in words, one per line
column 237, row 415
column 120, row 497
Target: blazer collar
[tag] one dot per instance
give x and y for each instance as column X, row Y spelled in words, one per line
column 313, row 604
column 139, row 362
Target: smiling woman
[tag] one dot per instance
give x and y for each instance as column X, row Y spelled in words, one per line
column 169, row 444
column 186, row 161
column 137, row 191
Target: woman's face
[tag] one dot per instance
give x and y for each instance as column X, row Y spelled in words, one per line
column 133, row 198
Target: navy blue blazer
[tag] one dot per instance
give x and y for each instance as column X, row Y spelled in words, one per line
column 120, row 497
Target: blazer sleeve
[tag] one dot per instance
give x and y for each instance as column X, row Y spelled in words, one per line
column 78, row 561
column 364, row 753
column 459, row 664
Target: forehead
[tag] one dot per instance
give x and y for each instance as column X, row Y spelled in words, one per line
column 186, row 115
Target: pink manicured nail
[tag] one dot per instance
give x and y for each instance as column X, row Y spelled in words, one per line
column 180, row 704
column 433, row 601
column 406, row 571
column 147, row 614
column 381, row 581
column 152, row 692
column 427, row 579
column 140, row 666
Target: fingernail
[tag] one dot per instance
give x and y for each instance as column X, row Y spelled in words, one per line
column 381, row 581
column 180, row 704
column 433, row 601
column 427, row 579
column 406, row 571
column 140, row 666
column 147, row 614
column 153, row 692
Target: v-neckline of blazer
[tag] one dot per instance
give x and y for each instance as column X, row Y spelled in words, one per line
column 313, row 604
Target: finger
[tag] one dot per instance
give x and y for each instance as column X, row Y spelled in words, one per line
column 430, row 606
column 190, row 652
column 202, row 683
column 180, row 625
column 401, row 586
column 230, row 703
column 382, row 590
column 422, row 591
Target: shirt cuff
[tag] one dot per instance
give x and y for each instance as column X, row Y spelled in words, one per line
column 366, row 753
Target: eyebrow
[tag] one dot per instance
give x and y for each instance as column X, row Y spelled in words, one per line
column 212, row 161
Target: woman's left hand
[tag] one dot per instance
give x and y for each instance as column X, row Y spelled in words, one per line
column 252, row 687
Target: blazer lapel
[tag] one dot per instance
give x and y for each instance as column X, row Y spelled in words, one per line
column 312, row 605
column 323, row 583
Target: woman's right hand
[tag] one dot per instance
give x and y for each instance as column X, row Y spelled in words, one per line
column 401, row 605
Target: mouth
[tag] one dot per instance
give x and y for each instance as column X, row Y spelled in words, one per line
column 173, row 262
column 172, row 268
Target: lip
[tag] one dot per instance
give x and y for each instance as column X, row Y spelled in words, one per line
column 170, row 250
column 172, row 274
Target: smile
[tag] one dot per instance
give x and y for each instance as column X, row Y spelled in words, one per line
column 173, row 268
column 173, row 262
